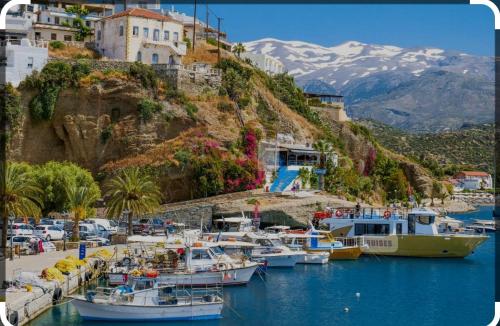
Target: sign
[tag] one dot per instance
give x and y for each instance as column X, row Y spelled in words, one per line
column 82, row 251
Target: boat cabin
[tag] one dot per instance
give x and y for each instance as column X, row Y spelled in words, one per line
column 382, row 223
column 233, row 224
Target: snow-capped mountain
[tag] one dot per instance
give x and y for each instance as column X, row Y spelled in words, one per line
column 341, row 64
column 387, row 82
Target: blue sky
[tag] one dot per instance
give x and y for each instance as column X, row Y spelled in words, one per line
column 452, row 27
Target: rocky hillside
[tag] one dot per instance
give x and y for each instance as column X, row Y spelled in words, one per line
column 198, row 144
column 469, row 147
column 416, row 89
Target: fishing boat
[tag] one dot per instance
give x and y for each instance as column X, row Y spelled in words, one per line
column 271, row 249
column 148, row 300
column 394, row 232
column 199, row 263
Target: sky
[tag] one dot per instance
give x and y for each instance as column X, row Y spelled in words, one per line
column 463, row 28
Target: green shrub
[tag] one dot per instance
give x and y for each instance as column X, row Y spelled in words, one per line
column 212, row 41
column 183, row 157
column 106, row 133
column 57, row 45
column 147, row 108
column 225, row 106
column 243, row 102
column 175, row 96
column 191, row 110
column 11, row 101
column 145, row 74
column 187, row 40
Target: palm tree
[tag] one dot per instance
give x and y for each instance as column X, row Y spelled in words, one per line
column 304, row 175
column 80, row 200
column 238, row 49
column 132, row 191
column 21, row 196
column 324, row 148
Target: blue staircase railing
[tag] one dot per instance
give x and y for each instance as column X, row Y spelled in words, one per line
column 284, row 179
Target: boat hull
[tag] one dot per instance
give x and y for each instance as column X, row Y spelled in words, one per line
column 430, row 246
column 236, row 276
column 108, row 312
column 279, row 260
column 346, row 253
column 314, row 258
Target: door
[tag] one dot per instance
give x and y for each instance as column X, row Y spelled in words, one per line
column 411, row 223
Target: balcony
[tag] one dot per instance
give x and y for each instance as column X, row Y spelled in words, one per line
column 179, row 47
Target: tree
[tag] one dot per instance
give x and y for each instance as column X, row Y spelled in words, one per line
column 238, row 49
column 21, row 195
column 55, row 178
column 304, row 176
column 133, row 191
column 436, row 190
column 82, row 30
column 80, row 200
column 324, row 148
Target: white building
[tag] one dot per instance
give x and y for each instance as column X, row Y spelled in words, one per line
column 22, row 59
column 474, row 180
column 51, row 22
column 265, row 62
column 140, row 35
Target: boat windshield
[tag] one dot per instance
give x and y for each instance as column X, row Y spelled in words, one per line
column 216, row 251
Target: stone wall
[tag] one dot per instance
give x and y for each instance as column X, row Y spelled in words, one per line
column 192, row 216
column 192, row 79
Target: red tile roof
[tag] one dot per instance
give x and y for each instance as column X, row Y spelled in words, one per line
column 143, row 13
column 473, row 173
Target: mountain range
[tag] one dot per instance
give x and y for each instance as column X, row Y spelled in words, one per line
column 420, row 89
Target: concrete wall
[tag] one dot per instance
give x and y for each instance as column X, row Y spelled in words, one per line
column 336, row 113
column 22, row 60
column 265, row 62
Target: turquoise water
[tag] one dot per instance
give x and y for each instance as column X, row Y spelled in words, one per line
column 393, row 291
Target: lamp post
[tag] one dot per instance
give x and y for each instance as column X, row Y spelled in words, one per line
column 125, row 215
column 65, row 217
column 11, row 220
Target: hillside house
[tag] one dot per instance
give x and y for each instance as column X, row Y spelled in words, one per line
column 142, row 35
column 51, row 22
column 270, row 65
column 330, row 104
column 474, row 180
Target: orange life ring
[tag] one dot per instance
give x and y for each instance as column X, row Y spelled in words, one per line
column 338, row 213
column 387, row 214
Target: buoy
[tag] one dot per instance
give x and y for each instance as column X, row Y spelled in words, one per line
column 57, row 296
column 358, row 295
column 346, row 309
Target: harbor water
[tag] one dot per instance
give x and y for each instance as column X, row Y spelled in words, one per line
column 369, row 291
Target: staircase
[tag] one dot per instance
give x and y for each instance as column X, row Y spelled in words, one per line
column 284, row 179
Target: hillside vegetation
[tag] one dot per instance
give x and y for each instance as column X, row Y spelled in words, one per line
column 194, row 145
column 444, row 153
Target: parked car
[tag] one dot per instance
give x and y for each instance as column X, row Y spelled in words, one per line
column 87, row 231
column 122, row 227
column 47, row 221
column 26, row 243
column 149, row 226
column 20, row 229
column 49, row 232
column 109, row 225
column 30, row 220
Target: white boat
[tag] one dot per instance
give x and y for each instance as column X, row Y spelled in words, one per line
column 146, row 300
column 297, row 241
column 201, row 263
column 272, row 250
column 482, row 226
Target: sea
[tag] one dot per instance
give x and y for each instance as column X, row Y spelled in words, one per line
column 369, row 291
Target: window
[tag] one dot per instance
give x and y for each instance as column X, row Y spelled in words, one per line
column 87, row 23
column 38, row 35
column 176, row 36
column 56, row 20
column 166, row 35
column 154, row 59
column 48, row 19
column 425, row 220
column 121, row 30
column 53, row 36
column 145, row 32
column 30, row 62
column 156, row 35
column 171, row 60
column 139, row 56
column 67, row 38
column 200, row 254
column 369, row 228
column 399, row 228
column 98, row 35
column 135, row 31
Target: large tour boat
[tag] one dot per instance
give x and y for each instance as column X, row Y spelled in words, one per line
column 393, row 232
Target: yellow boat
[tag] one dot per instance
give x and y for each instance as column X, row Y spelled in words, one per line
column 401, row 233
